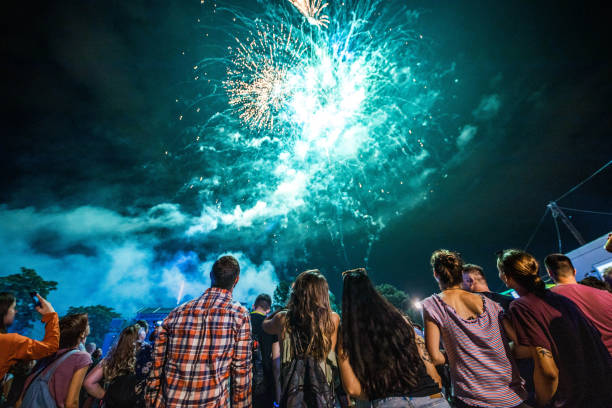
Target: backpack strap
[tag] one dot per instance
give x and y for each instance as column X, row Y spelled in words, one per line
column 55, row 364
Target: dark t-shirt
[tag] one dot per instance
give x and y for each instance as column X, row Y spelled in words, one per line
column 265, row 340
column 556, row 324
column 503, row 300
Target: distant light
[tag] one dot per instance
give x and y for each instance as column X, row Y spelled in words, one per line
column 417, row 304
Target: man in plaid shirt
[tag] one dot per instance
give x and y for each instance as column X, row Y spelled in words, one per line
column 202, row 354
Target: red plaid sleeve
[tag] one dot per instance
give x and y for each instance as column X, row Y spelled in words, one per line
column 153, row 388
column 241, row 371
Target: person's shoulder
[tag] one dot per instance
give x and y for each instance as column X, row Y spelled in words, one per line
column 335, row 318
column 239, row 310
column 430, row 301
column 77, row 359
column 82, row 356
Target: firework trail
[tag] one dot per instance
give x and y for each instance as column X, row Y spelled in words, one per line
column 312, row 9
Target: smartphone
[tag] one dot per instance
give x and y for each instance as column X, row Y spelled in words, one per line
column 35, row 299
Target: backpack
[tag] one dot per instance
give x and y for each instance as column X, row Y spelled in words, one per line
column 259, row 382
column 305, row 385
column 38, row 394
column 123, row 392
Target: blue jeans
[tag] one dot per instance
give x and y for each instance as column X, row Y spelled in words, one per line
column 410, row 402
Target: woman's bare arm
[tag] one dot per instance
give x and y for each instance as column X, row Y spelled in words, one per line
column 350, row 382
column 431, row 369
column 92, row 382
column 432, row 341
column 545, row 375
column 274, row 324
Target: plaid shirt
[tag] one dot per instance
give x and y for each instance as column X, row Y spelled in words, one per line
column 201, row 347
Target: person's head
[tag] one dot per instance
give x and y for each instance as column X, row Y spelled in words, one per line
column 560, row 268
column 74, row 329
column 263, row 303
column 8, row 310
column 607, row 275
column 97, row 354
column 377, row 338
column 225, row 273
column 474, row 279
column 144, row 329
column 596, row 283
column 447, row 268
column 519, row 271
column 121, row 359
column 309, row 316
column 90, row 347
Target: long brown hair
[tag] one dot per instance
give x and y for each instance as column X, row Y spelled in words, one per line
column 309, row 316
column 121, row 359
column 379, row 341
column 523, row 268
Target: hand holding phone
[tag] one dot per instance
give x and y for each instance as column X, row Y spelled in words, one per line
column 34, row 297
column 41, row 305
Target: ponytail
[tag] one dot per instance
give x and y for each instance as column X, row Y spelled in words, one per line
column 523, row 268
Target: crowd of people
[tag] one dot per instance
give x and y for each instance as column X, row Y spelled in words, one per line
column 477, row 348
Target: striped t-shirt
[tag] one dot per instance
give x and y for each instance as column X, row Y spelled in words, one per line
column 482, row 373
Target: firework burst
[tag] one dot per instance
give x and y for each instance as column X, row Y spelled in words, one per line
column 256, row 83
column 312, row 10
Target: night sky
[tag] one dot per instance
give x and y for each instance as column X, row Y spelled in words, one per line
column 97, row 189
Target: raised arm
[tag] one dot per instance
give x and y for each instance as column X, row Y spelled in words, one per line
column 25, row 348
column 153, row 387
column 545, row 375
column 241, row 366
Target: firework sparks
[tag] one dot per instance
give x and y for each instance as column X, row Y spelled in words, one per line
column 257, row 76
column 312, row 10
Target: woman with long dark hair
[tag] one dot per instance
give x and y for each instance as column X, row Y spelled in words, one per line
column 483, row 373
column 307, row 329
column 15, row 347
column 381, row 358
column 118, row 365
column 572, row 367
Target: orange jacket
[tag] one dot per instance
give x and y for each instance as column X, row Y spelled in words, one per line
column 15, row 347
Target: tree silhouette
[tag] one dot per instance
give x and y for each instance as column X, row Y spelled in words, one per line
column 99, row 320
column 281, row 295
column 21, row 284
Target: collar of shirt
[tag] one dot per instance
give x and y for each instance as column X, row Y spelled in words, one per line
column 218, row 293
column 259, row 313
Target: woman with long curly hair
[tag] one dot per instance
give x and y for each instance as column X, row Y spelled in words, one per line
column 572, row 367
column 120, row 361
column 381, row 358
column 483, row 374
column 308, row 327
